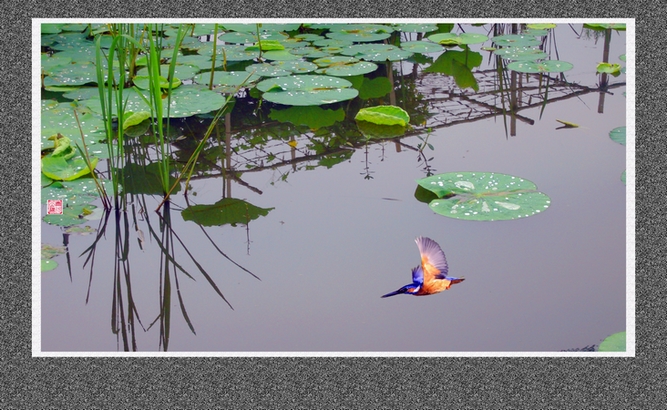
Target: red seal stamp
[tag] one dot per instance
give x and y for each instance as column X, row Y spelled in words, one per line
column 54, row 206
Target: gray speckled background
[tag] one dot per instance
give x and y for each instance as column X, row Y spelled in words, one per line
column 331, row 382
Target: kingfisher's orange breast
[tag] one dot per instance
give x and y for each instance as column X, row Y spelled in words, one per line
column 434, row 286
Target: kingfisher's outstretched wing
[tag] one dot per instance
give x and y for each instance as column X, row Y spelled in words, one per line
column 433, row 261
column 417, row 275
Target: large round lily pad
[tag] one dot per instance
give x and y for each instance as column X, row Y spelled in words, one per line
column 376, row 52
column 618, row 135
column 613, row 343
column 306, row 90
column 516, row 40
column 549, row 66
column 484, row 196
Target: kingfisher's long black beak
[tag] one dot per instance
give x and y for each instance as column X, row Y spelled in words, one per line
column 397, row 292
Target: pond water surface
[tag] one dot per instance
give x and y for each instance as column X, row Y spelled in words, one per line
column 338, row 238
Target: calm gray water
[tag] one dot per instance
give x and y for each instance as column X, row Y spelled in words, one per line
column 337, row 241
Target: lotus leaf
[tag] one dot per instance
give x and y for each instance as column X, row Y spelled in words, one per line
column 516, row 40
column 549, row 66
column 72, row 215
column 374, row 88
column 384, row 115
column 58, row 168
column 614, row 343
column 181, row 70
column 415, row 27
column 607, row 68
column 296, row 67
column 421, row 47
column 484, row 196
column 521, row 53
column 266, row 70
column 618, row 135
column 72, row 74
column 232, row 78
column 451, row 39
column 280, row 55
column 348, row 70
column 376, row 52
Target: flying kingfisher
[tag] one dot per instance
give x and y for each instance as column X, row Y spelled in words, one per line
column 431, row 275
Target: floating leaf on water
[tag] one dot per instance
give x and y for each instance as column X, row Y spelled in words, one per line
column 376, row 52
column 415, row 27
column 452, row 39
column 423, row 47
column 134, row 118
column 618, row 135
column 516, row 40
column 521, row 53
column 541, row 26
column 61, row 170
column 607, row 68
column 605, row 26
column 72, row 215
column 614, row 343
column 377, row 87
column 484, row 196
column 305, row 90
column 384, row 115
column 549, row 66
column 263, row 69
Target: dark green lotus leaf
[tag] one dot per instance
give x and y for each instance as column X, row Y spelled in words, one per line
column 452, row 39
column 290, row 43
column 309, row 37
column 334, row 60
column 484, row 196
column 458, row 64
column 186, row 101
column 548, row 66
column 58, row 168
column 72, row 215
column 77, row 192
column 279, row 55
column 374, row 88
column 605, row 26
column 311, row 116
column 315, row 97
column 72, row 74
column 332, row 42
column 541, row 26
column 263, row 27
column 238, row 37
column 201, row 62
column 143, row 82
column 67, row 41
column 415, row 28
column 296, row 67
column 229, row 52
column 230, row 78
column 59, row 118
column 49, row 28
column 614, row 343
column 302, row 83
column 226, row 211
column 267, row 70
column 182, row 71
column 521, row 53
column 516, row 40
column 623, row 177
column 348, row 70
column 376, row 52
column 53, row 62
column 358, row 36
column 384, row 115
column 618, row 135
column 421, row 47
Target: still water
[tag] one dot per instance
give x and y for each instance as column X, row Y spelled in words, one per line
column 339, row 238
